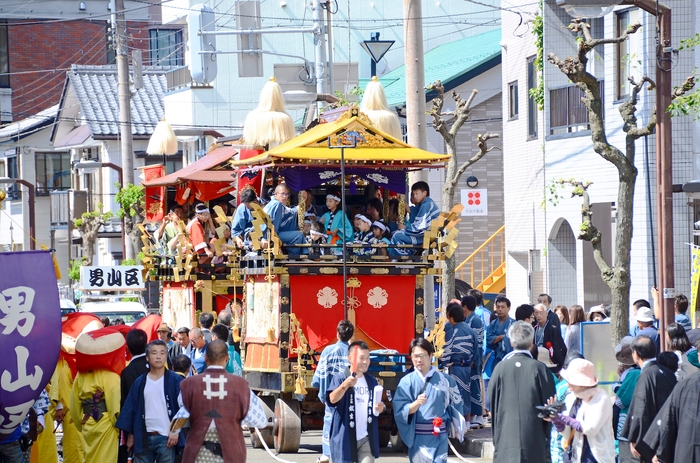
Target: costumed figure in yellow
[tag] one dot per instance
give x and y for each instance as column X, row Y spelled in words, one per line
column 72, row 325
column 44, row 449
column 96, row 392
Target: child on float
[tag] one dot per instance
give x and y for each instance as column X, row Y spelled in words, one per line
column 380, row 236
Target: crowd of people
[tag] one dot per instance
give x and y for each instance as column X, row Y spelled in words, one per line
column 110, row 412
column 538, row 365
column 362, row 227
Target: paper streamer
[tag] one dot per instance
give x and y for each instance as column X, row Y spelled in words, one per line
column 378, row 392
column 353, row 359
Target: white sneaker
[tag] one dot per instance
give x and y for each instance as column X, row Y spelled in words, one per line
column 477, row 422
column 323, row 459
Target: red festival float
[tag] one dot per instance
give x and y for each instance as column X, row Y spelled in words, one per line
column 293, row 302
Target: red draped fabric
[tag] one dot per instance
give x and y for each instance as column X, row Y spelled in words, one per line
column 254, row 179
column 384, row 308
column 155, row 196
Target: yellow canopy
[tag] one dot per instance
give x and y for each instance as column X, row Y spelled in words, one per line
column 373, row 147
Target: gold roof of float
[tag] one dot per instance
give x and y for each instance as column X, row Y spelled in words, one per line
column 373, row 147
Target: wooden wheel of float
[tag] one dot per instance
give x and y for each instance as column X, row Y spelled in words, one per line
column 269, row 406
column 287, row 432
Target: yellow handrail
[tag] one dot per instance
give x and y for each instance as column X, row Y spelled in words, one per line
column 481, row 251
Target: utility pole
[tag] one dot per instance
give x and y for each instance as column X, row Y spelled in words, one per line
column 319, row 49
column 415, row 81
column 127, row 154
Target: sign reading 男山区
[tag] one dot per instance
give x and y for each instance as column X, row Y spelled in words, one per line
column 116, row 278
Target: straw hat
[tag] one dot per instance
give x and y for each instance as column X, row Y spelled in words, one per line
column 73, row 325
column 543, row 356
column 103, row 349
column 164, row 328
column 580, row 372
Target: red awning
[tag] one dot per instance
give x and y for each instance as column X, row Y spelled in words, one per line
column 199, row 170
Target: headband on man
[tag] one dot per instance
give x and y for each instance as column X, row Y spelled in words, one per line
column 332, row 197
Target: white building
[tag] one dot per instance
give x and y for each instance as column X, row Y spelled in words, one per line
column 540, row 146
column 224, row 105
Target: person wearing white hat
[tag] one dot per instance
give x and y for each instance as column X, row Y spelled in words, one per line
column 645, row 322
column 197, row 228
column 586, row 424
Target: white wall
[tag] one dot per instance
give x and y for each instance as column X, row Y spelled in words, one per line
column 572, row 156
column 523, row 161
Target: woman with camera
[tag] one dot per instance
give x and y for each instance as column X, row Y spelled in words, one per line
column 586, row 424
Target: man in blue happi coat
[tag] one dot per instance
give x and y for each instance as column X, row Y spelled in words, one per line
column 333, row 362
column 355, row 430
column 423, row 212
column 459, row 353
column 242, row 221
column 497, row 331
column 285, row 219
column 473, row 321
column 427, row 404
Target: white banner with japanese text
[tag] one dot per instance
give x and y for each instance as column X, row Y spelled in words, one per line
column 112, row 278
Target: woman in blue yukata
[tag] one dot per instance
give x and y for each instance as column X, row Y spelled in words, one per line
column 426, row 404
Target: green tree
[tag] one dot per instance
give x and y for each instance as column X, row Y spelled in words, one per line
column 132, row 202
column 88, row 225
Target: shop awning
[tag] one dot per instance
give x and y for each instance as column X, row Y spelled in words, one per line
column 202, row 170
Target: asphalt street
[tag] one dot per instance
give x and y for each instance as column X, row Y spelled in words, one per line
column 310, row 450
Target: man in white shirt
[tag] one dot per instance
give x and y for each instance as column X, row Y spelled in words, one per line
column 148, row 409
column 354, row 431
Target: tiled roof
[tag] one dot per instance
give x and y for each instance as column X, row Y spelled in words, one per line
column 20, row 129
column 96, row 91
column 453, row 63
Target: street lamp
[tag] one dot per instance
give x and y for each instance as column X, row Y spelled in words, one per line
column 89, row 166
column 664, row 155
column 30, row 187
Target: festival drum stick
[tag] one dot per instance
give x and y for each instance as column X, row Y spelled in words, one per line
column 353, row 360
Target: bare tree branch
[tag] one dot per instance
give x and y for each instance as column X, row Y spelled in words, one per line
column 687, row 86
column 588, row 231
column 462, row 110
column 438, row 122
column 628, row 110
column 483, row 149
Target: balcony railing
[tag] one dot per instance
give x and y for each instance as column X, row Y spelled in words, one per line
column 59, row 208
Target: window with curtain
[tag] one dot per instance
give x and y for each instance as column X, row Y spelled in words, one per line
column 166, row 47
column 52, row 172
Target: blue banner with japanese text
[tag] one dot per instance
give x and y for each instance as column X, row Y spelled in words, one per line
column 30, row 328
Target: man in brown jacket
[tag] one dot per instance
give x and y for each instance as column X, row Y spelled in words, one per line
column 218, row 404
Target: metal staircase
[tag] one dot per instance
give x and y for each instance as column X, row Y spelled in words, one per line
column 485, row 268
